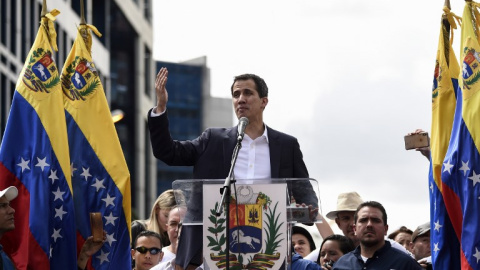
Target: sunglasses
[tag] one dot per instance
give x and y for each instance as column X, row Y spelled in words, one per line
column 153, row 250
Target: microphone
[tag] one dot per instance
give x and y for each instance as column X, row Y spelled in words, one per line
column 242, row 124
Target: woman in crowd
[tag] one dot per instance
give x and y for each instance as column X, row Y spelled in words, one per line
column 157, row 222
column 302, row 241
column 333, row 247
column 403, row 236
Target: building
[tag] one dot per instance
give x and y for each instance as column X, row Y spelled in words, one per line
column 123, row 57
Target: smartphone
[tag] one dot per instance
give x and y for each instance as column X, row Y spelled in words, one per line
column 417, row 140
column 96, row 225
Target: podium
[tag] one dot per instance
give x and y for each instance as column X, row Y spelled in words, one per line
column 261, row 214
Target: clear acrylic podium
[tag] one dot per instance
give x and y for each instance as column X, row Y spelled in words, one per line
column 261, row 214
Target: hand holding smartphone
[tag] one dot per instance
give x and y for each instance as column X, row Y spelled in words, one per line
column 417, row 140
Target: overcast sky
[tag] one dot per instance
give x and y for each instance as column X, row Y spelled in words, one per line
column 348, row 78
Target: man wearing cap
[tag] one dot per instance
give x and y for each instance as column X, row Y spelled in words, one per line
column 374, row 251
column 420, row 245
column 7, row 222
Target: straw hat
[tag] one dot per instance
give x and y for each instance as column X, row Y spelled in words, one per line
column 348, row 201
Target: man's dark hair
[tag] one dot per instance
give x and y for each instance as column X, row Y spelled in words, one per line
column 148, row 233
column 373, row 204
column 262, row 88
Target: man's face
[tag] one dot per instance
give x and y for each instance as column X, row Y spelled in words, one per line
column 7, row 222
column 369, row 227
column 345, row 222
column 246, row 101
column 173, row 225
column 421, row 247
column 147, row 260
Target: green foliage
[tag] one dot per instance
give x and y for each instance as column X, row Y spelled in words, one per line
column 90, row 88
column 215, row 243
column 272, row 230
column 54, row 81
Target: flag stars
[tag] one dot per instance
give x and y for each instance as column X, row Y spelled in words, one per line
column 435, row 248
column 98, row 184
column 103, row 257
column 110, row 219
column 72, row 168
column 110, row 239
column 24, row 164
column 86, row 173
column 58, row 194
column 475, row 178
column 447, row 167
column 42, row 163
column 109, row 201
column 56, row 234
column 53, row 175
column 438, row 226
column 465, row 168
column 59, row 212
column 431, row 186
column 477, row 254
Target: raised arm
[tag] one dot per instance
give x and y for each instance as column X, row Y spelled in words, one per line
column 161, row 90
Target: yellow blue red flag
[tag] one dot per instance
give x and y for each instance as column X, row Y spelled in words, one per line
column 461, row 167
column 100, row 177
column 34, row 157
column 444, row 243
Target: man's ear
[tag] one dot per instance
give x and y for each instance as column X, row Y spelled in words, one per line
column 264, row 102
column 386, row 229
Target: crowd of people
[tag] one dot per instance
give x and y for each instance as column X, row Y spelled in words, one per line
column 161, row 242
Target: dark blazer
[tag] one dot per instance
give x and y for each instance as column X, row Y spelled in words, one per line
column 211, row 155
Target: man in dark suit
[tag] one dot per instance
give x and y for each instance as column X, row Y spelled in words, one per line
column 265, row 153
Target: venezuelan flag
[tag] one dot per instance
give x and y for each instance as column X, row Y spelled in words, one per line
column 461, row 167
column 34, row 157
column 444, row 243
column 100, row 177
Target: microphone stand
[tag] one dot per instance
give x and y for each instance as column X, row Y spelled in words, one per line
column 226, row 191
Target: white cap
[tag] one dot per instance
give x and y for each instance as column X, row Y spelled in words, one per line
column 9, row 193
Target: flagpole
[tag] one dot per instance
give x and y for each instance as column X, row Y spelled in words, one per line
column 82, row 13
column 83, row 30
column 446, row 32
column 44, row 8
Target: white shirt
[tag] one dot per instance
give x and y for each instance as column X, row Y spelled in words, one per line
column 167, row 255
column 253, row 161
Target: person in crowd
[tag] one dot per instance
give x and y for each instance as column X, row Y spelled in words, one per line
column 174, row 226
column 7, row 222
column 347, row 204
column 302, row 241
column 403, row 236
column 89, row 248
column 420, row 245
column 147, row 251
column 333, row 247
column 276, row 155
column 374, row 252
column 425, row 151
column 157, row 222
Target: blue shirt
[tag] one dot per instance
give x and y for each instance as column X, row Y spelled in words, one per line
column 7, row 263
column 300, row 264
column 384, row 258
